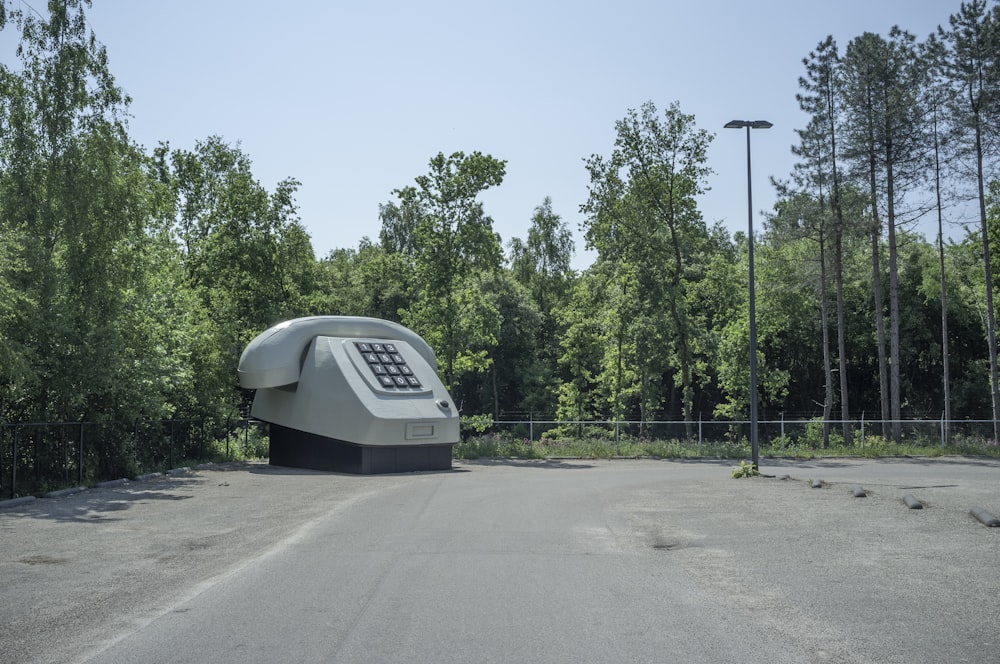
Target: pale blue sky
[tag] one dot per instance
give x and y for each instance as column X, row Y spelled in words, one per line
column 354, row 98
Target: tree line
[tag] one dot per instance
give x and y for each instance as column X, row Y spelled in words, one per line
column 131, row 279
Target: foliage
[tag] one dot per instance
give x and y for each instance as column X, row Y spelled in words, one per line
column 643, row 221
column 450, row 241
column 132, row 278
column 745, row 469
column 817, row 436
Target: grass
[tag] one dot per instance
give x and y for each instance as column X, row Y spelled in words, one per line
column 493, row 445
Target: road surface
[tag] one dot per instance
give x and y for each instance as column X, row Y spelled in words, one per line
column 512, row 561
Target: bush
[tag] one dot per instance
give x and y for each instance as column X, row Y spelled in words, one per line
column 813, row 436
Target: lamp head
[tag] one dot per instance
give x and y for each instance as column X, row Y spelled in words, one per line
column 753, row 124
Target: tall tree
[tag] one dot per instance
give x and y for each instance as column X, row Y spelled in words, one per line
column 802, row 216
column 936, row 101
column 642, row 219
column 75, row 203
column 453, row 239
column 821, row 98
column 884, row 83
column 971, row 66
column 541, row 264
column 245, row 257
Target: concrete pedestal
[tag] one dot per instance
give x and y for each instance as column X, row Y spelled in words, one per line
column 298, row 449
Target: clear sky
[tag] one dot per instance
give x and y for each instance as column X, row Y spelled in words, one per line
column 354, row 98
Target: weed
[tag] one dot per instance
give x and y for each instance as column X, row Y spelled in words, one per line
column 745, row 470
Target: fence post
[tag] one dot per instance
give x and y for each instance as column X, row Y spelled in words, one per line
column 699, row 430
column 862, row 430
column 782, row 430
column 64, row 452
column 942, row 431
column 79, row 464
column 531, row 427
column 13, row 465
column 36, row 459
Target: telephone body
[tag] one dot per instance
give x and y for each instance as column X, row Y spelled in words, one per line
column 350, row 394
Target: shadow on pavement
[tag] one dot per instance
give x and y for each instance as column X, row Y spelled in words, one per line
column 101, row 504
column 530, row 463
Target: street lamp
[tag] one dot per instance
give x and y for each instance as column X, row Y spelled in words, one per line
column 754, row 447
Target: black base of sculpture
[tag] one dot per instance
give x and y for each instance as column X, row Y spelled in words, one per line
column 299, row 449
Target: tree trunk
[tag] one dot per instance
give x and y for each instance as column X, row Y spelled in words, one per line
column 825, row 324
column 894, row 359
column 838, row 270
column 991, row 324
column 883, row 372
column 946, row 374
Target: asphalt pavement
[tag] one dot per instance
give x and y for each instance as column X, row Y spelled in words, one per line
column 512, row 561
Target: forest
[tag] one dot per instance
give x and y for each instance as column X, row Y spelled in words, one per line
column 131, row 278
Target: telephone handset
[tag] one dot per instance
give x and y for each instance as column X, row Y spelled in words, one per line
column 274, row 358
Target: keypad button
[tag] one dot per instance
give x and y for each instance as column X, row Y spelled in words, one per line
column 388, row 365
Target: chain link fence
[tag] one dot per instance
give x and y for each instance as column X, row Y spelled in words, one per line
column 773, row 434
column 37, row 457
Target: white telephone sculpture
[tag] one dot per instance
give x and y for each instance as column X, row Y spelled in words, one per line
column 350, row 394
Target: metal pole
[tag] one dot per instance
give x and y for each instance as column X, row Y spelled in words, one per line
column 782, row 430
column 862, row 430
column 755, row 450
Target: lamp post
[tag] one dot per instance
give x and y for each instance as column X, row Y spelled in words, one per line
column 754, row 447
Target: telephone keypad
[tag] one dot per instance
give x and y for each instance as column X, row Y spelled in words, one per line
column 388, row 365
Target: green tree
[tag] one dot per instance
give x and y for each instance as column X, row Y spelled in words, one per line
column 367, row 281
column 802, row 217
column 885, row 79
column 582, row 348
column 244, row 255
column 452, row 241
column 541, row 264
column 76, row 198
column 971, row 67
column 642, row 219
column 820, row 171
column 512, row 374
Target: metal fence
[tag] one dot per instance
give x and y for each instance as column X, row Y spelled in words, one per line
column 36, row 457
column 775, row 434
